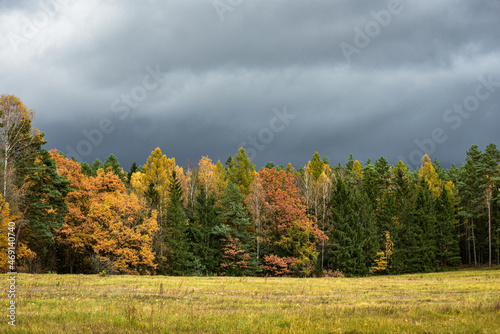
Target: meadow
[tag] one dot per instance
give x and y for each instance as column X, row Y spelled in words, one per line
column 464, row 301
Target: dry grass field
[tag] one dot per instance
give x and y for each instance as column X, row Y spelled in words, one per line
column 450, row 302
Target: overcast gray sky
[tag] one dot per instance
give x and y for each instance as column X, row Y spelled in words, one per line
column 283, row 79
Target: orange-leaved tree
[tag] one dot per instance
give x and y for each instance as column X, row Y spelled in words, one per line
column 288, row 221
column 8, row 228
column 76, row 236
column 123, row 230
column 105, row 224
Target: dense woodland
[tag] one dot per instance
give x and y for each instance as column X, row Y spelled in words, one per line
column 227, row 218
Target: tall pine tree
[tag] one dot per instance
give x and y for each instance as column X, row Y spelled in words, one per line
column 175, row 235
column 235, row 238
column 204, row 244
column 348, row 236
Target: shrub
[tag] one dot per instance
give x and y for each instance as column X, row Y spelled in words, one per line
column 333, row 273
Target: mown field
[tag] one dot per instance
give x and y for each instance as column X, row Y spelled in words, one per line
column 450, row 302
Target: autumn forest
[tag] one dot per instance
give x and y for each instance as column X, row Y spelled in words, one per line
column 228, row 218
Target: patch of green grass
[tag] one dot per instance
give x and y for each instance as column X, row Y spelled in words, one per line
column 462, row 301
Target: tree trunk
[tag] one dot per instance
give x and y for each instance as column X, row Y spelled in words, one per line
column 467, row 242
column 489, row 224
column 5, row 174
column 323, row 241
column 19, row 228
column 473, row 243
column 257, row 230
column 498, row 257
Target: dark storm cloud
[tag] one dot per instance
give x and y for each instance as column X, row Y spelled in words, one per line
column 221, row 77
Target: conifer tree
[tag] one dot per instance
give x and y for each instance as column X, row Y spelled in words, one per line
column 490, row 175
column 372, row 185
column 96, row 164
column 112, row 164
column 87, row 169
column 469, row 187
column 204, row 244
column 233, row 230
column 297, row 245
column 348, row 237
column 446, row 239
column 175, row 234
column 270, row 165
column 233, row 216
column 401, row 206
column 44, row 203
column 133, row 169
column 350, row 163
column 241, row 171
column 425, row 218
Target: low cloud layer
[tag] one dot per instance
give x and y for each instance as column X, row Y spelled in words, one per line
column 392, row 79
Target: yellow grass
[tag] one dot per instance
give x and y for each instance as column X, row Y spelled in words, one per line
column 451, row 302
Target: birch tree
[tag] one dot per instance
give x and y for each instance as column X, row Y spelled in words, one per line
column 17, row 140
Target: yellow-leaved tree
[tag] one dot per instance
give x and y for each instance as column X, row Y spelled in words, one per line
column 212, row 177
column 105, row 223
column 5, row 219
column 123, row 230
column 154, row 182
column 357, row 169
column 18, row 141
column 428, row 173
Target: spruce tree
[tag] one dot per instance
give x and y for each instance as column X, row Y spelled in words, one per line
column 204, row 244
column 112, row 164
column 372, row 237
column 179, row 257
column 270, row 165
column 348, row 236
column 372, row 185
column 96, row 164
column 446, row 238
column 350, row 163
column 383, row 170
column 233, row 231
column 425, row 217
column 405, row 234
column 442, row 173
column 87, row 169
column 232, row 214
column 133, row 169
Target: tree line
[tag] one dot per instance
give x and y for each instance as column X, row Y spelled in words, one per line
column 229, row 219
